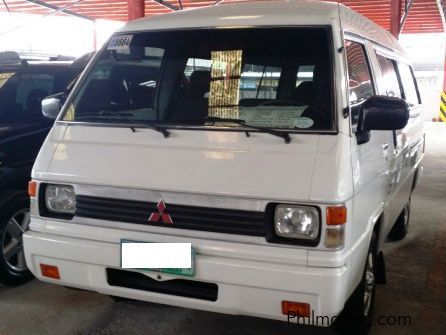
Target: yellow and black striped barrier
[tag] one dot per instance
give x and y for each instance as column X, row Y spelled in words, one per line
column 443, row 106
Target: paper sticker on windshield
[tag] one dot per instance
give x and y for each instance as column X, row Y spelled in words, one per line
column 271, row 116
column 120, row 42
column 303, row 122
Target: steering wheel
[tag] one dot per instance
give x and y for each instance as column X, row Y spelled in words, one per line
column 316, row 115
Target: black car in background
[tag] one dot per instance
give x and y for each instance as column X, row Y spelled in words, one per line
column 23, row 128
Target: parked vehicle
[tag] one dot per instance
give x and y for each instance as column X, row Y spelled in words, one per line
column 23, row 85
column 283, row 140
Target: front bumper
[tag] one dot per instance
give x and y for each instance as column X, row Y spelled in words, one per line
column 245, row 287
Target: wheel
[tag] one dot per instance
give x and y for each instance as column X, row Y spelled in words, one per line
column 356, row 318
column 401, row 226
column 14, row 221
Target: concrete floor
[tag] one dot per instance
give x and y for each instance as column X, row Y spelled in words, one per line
column 416, row 273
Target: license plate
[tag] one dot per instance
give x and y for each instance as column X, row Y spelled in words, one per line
column 189, row 272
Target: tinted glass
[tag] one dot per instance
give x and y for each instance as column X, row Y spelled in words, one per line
column 390, row 78
column 22, row 91
column 408, row 80
column 247, row 74
column 305, row 74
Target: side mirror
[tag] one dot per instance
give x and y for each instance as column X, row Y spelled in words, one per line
column 381, row 113
column 52, row 105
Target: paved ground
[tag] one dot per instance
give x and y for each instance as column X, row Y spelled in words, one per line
column 416, row 286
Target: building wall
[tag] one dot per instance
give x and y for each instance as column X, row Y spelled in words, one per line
column 428, row 55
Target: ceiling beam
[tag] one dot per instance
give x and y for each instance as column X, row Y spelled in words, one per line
column 442, row 7
column 167, row 5
column 407, row 7
column 60, row 9
column 6, row 5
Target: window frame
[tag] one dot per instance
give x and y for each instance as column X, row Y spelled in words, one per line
column 332, row 63
column 400, row 63
column 362, row 44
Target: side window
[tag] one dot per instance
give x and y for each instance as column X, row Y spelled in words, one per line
column 360, row 80
column 390, row 78
column 408, row 81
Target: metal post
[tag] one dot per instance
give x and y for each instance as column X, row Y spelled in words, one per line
column 395, row 17
column 95, row 41
column 443, row 94
column 135, row 9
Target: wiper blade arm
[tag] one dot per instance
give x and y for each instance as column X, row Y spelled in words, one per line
column 283, row 134
column 121, row 117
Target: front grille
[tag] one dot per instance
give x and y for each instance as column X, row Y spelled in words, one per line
column 184, row 217
column 179, row 287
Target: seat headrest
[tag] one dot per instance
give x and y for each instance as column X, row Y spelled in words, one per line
column 200, row 81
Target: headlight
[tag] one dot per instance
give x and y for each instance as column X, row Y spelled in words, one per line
column 300, row 222
column 60, row 199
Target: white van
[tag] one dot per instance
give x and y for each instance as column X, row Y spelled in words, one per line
column 282, row 140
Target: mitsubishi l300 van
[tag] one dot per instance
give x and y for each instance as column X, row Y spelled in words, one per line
column 282, row 140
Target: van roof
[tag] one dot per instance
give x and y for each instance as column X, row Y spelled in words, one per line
column 268, row 13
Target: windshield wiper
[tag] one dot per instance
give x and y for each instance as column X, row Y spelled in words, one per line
column 283, row 134
column 121, row 117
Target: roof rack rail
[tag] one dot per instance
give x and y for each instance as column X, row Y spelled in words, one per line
column 21, row 57
column 36, row 56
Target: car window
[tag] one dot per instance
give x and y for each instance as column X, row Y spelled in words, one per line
column 408, row 81
column 22, row 92
column 389, row 81
column 237, row 73
column 360, row 80
column 31, row 88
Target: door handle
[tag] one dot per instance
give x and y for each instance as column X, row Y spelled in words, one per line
column 385, row 146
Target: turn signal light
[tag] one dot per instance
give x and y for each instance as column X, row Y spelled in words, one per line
column 50, row 271
column 297, row 308
column 336, row 215
column 32, row 189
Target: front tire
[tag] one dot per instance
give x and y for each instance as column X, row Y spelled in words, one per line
column 356, row 318
column 14, row 221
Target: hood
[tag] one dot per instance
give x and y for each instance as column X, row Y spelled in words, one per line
column 223, row 163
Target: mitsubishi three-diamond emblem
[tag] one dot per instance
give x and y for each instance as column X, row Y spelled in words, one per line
column 156, row 216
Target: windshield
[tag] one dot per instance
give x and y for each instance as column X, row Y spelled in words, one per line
column 271, row 78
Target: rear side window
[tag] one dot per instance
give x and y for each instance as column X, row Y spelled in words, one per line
column 360, row 80
column 408, row 81
column 390, row 81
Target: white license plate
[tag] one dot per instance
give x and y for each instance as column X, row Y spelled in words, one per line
column 173, row 258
